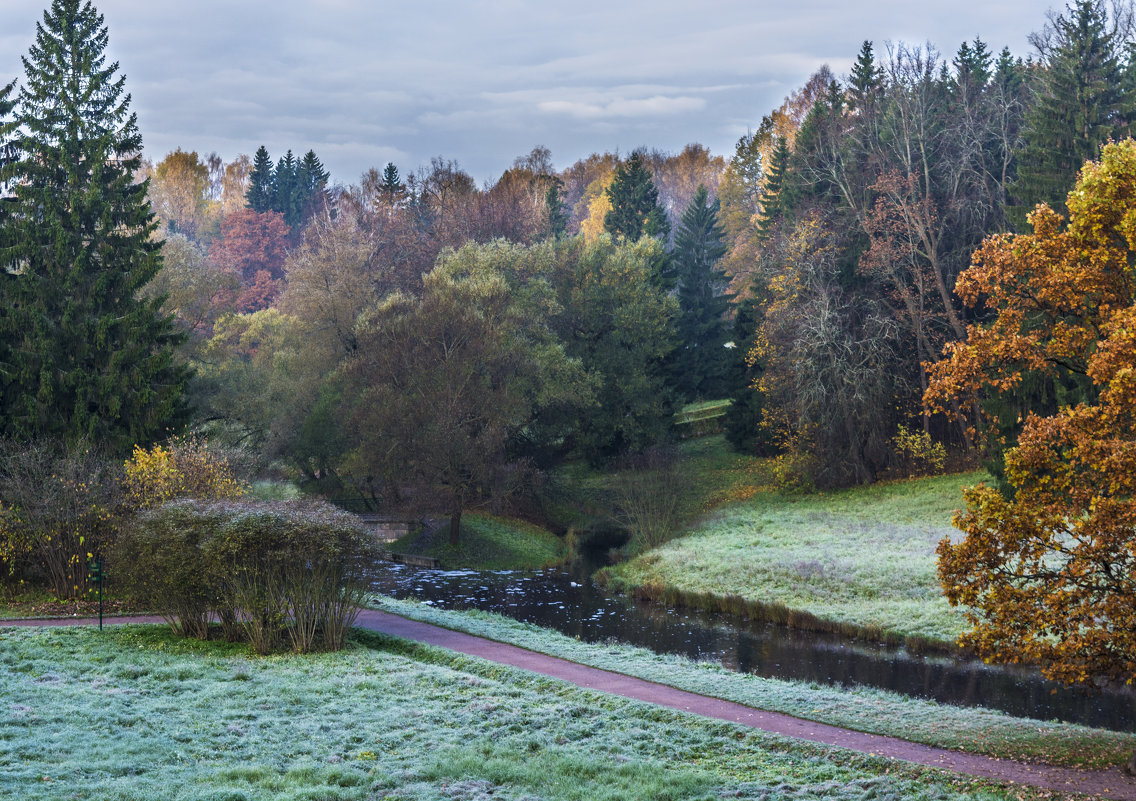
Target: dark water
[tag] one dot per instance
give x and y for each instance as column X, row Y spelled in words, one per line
column 570, row 603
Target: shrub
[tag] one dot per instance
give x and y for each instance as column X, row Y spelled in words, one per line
column 59, row 505
column 278, row 570
column 917, row 454
column 185, row 469
column 649, row 492
column 158, row 554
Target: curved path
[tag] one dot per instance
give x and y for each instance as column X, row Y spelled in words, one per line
column 1112, row 783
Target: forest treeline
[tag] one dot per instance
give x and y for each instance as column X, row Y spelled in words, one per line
column 415, row 334
column 929, row 255
column 810, row 276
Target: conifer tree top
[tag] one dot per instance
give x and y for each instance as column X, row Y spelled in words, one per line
column 89, row 361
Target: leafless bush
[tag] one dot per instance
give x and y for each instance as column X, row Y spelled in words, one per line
column 59, row 505
column 649, row 491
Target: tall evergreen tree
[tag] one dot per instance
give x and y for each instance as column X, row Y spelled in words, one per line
column 89, row 359
column 8, row 154
column 772, row 206
column 866, row 80
column 635, row 210
column 392, row 183
column 287, row 198
column 701, row 360
column 554, row 202
column 311, row 186
column 261, row 193
column 1083, row 101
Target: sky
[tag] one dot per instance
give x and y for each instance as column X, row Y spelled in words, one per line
column 366, row 82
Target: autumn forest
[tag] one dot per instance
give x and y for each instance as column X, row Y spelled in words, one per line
column 920, row 268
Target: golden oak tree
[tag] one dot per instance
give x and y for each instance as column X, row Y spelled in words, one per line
column 1048, row 575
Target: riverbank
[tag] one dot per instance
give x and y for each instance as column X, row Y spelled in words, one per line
column 487, row 542
column 970, row 730
column 859, row 562
column 383, row 719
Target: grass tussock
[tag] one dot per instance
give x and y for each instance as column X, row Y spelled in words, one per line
column 135, row 712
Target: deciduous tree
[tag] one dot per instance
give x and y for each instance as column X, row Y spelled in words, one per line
column 1047, row 575
column 445, row 383
column 252, row 246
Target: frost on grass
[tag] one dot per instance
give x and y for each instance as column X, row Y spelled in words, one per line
column 976, row 730
column 138, row 714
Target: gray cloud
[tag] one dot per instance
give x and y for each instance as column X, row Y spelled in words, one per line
column 364, row 82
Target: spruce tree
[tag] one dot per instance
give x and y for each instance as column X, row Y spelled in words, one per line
column 701, row 360
column 311, row 186
column 88, row 360
column 392, row 183
column 554, row 203
column 8, row 154
column 287, row 198
column 1083, row 101
column 635, row 210
column 772, row 206
column 866, row 80
column 261, row 192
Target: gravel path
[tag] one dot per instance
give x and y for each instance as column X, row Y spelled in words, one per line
column 1112, row 783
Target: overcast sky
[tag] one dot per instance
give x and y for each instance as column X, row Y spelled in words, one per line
column 364, row 82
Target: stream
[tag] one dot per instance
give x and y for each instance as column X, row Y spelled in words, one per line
column 569, row 602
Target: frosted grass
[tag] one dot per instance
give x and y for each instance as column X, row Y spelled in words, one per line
column 863, row 558
column 976, row 730
column 133, row 713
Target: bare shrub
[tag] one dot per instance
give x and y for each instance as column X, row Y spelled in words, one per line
column 649, row 492
column 59, row 506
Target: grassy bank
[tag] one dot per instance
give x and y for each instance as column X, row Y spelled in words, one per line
column 974, row 730
column 488, row 542
column 133, row 713
column 853, row 561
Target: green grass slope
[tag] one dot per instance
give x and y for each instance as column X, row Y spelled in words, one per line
column 858, row 560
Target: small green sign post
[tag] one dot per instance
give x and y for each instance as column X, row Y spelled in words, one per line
column 95, row 572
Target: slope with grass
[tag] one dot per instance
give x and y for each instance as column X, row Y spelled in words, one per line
column 487, row 542
column 382, row 720
column 856, row 561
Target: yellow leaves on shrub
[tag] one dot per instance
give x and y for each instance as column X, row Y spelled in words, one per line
column 183, row 470
column 918, row 453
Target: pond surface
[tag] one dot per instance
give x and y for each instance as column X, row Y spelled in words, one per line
column 572, row 604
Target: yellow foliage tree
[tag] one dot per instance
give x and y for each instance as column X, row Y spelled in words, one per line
column 1049, row 575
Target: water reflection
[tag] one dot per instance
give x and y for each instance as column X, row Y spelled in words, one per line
column 570, row 603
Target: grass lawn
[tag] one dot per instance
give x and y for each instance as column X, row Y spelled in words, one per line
column 854, row 560
column 970, row 729
column 488, row 542
column 133, row 713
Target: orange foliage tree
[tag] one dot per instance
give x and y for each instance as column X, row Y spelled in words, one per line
column 1049, row 575
column 253, row 246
